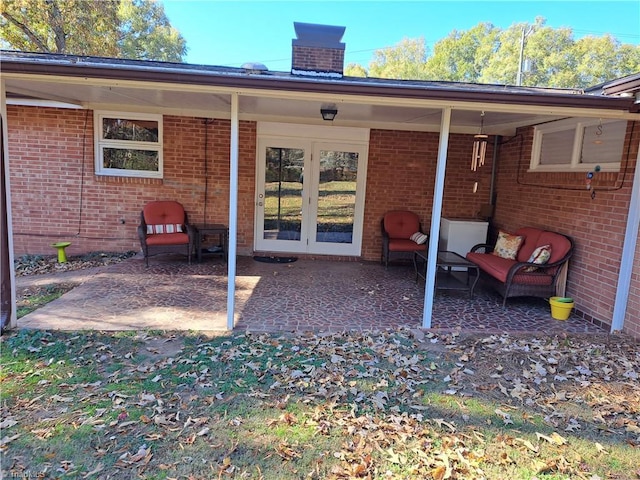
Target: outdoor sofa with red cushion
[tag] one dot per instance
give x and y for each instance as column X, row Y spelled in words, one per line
column 520, row 277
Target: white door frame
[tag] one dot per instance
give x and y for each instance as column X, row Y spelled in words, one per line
column 327, row 248
column 312, row 139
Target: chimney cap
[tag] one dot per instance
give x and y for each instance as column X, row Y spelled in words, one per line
column 315, row 35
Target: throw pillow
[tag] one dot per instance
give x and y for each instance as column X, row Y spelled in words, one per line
column 419, row 238
column 171, row 228
column 507, row 245
column 540, row 256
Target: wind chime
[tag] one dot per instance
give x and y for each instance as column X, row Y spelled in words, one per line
column 479, row 147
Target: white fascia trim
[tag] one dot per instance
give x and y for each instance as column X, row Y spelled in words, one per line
column 35, row 102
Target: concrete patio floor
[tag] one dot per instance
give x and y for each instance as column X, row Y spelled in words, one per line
column 316, row 295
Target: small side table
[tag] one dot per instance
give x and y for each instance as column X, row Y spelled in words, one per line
column 204, row 230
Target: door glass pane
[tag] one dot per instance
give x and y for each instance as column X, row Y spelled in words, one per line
column 283, row 193
column 336, row 196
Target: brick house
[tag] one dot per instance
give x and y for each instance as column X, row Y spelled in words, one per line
column 212, row 138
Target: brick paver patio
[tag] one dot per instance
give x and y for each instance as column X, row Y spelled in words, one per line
column 318, row 295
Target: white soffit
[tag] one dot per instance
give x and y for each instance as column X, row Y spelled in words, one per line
column 377, row 112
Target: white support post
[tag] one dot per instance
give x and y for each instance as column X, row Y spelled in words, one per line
column 628, row 252
column 9, row 276
column 233, row 213
column 436, row 214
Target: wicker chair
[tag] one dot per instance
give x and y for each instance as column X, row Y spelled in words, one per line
column 398, row 226
column 164, row 228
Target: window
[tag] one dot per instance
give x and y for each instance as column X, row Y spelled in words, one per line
column 128, row 144
column 578, row 145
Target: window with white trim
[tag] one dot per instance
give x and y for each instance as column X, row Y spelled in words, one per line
column 128, row 144
column 578, row 144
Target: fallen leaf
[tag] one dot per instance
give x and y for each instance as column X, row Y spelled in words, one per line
column 8, row 422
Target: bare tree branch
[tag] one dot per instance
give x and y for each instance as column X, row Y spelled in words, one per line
column 34, row 38
column 57, row 24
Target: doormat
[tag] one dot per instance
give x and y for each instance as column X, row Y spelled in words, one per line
column 275, row 259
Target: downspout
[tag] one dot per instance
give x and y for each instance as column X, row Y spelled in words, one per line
column 494, row 165
column 436, row 214
column 628, row 252
column 8, row 280
column 233, row 213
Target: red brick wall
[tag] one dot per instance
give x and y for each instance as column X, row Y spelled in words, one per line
column 56, row 195
column 401, row 175
column 561, row 202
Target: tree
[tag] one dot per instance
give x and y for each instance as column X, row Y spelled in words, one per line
column 136, row 29
column 547, row 50
column 146, row 34
column 595, row 64
column 405, row 61
column 355, row 70
column 486, row 54
column 462, row 56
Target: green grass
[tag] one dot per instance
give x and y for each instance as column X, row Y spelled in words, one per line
column 279, row 407
column 336, row 205
column 41, row 296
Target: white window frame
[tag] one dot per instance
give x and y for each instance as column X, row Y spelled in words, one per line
column 102, row 143
column 578, row 125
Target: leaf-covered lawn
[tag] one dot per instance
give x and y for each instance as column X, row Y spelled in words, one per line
column 396, row 404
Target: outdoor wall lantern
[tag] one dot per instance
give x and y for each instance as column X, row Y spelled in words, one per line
column 479, row 147
column 329, row 112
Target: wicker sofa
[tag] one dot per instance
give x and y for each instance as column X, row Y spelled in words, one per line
column 520, row 277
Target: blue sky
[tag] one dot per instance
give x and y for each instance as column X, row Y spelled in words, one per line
column 234, row 32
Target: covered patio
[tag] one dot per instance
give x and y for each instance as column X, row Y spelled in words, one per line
column 217, row 126
column 305, row 295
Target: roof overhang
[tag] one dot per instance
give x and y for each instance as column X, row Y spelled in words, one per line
column 205, row 91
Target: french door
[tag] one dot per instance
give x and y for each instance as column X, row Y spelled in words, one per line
column 310, row 196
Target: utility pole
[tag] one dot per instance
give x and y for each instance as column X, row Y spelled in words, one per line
column 526, row 31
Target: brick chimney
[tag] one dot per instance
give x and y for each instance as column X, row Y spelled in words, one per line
column 318, row 51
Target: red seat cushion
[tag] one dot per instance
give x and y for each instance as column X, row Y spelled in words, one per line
column 167, row 239
column 404, row 245
column 495, row 266
column 498, row 268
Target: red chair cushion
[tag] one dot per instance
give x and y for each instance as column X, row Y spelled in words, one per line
column 401, row 224
column 168, row 239
column 498, row 268
column 495, row 266
column 403, row 245
column 163, row 212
